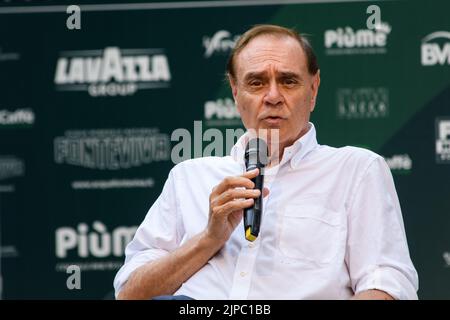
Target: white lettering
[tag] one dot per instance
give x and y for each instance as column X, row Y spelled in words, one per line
column 18, row 117
column 220, row 42
column 112, row 74
column 74, row 20
column 97, row 242
column 434, row 53
column 73, row 281
column 363, row 38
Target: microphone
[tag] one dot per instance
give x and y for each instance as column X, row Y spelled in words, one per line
column 255, row 157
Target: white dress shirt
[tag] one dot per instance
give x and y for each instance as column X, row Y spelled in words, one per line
column 331, row 227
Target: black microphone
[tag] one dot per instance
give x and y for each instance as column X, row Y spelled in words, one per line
column 255, row 157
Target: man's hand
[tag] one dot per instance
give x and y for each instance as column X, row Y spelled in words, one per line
column 226, row 204
column 165, row 275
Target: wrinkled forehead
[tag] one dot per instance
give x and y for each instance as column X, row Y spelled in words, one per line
column 275, row 53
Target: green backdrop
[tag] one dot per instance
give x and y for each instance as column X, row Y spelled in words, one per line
column 86, row 118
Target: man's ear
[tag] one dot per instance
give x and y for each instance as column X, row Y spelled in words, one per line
column 315, row 89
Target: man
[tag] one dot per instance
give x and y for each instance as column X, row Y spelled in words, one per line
column 331, row 228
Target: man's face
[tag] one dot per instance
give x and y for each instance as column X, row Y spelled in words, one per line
column 273, row 88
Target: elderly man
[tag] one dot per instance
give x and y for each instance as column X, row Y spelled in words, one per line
column 332, row 226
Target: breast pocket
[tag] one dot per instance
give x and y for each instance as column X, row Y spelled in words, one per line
column 310, row 233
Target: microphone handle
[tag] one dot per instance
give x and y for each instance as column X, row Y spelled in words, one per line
column 252, row 215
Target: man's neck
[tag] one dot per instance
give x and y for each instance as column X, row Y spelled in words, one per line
column 276, row 151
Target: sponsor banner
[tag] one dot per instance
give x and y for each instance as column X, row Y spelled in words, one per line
column 22, row 117
column 112, row 149
column 221, row 43
column 8, row 56
column 112, row 184
column 349, row 41
column 8, row 251
column 435, row 49
column 112, row 107
column 84, row 244
column 443, row 140
column 399, row 163
column 362, row 103
column 221, row 113
column 446, row 256
column 11, row 166
column 112, row 71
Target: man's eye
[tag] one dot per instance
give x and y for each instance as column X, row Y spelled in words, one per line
column 256, row 83
column 289, row 82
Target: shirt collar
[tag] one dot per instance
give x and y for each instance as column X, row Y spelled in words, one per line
column 293, row 154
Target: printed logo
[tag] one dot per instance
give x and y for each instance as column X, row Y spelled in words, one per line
column 221, row 42
column 443, row 140
column 8, row 56
column 9, row 251
column 16, row 118
column 345, row 40
column 435, row 49
column 399, row 163
column 446, row 256
column 113, row 71
column 90, row 243
column 221, row 112
column 11, row 166
column 362, row 103
column 112, row 149
column 96, row 242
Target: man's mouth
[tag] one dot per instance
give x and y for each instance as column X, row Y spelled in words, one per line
column 273, row 120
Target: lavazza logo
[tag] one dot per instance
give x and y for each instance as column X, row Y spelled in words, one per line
column 435, row 49
column 221, row 42
column 112, row 71
column 345, row 40
column 443, row 140
column 362, row 103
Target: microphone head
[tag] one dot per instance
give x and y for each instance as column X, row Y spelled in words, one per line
column 256, row 153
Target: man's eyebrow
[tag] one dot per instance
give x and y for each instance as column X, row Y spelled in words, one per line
column 288, row 74
column 252, row 75
column 282, row 74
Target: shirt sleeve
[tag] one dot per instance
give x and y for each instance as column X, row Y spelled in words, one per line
column 377, row 251
column 155, row 237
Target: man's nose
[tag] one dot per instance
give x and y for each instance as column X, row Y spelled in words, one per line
column 273, row 96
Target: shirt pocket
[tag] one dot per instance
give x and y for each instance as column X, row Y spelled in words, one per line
column 310, row 233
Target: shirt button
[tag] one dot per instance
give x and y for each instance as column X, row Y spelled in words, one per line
column 243, row 274
column 251, row 245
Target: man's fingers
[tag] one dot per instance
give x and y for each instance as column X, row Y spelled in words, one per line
column 232, row 206
column 251, row 174
column 265, row 192
column 233, row 182
column 232, row 194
